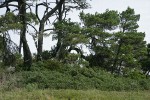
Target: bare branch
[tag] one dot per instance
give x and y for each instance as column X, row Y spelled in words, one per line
column 53, row 10
column 48, row 29
column 32, row 26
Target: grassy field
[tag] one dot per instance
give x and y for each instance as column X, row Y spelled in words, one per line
column 73, row 95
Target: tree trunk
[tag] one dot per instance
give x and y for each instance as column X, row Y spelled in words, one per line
column 116, row 57
column 60, row 48
column 26, row 50
column 40, row 42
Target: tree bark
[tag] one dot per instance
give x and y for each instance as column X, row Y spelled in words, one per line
column 60, row 47
column 40, row 42
column 26, row 50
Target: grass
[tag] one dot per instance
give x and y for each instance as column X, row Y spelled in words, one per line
column 73, row 95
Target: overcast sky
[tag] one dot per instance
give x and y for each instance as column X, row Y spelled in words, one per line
column 140, row 6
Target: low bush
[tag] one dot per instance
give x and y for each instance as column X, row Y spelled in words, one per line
column 73, row 78
column 51, row 64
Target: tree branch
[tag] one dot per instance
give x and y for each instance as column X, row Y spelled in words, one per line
column 52, row 11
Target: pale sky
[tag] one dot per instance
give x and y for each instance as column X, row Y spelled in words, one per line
column 140, row 6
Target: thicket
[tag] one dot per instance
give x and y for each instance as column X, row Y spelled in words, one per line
column 54, row 75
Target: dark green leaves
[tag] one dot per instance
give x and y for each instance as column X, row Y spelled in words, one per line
column 128, row 20
column 9, row 21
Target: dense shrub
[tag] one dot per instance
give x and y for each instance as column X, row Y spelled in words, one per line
column 144, row 84
column 74, row 78
column 51, row 64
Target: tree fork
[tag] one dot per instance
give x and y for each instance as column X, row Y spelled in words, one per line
column 42, row 22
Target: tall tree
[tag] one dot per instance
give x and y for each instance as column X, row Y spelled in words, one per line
column 62, row 13
column 60, row 9
column 23, row 21
column 8, row 48
column 128, row 40
column 71, row 37
column 42, row 21
column 96, row 28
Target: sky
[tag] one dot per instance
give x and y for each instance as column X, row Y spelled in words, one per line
column 140, row 6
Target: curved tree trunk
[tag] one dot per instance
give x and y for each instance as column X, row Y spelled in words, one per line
column 26, row 50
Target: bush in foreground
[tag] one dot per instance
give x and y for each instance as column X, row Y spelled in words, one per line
column 73, row 78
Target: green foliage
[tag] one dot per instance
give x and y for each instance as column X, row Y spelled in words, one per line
column 123, row 52
column 129, row 20
column 72, row 57
column 144, row 84
column 75, row 60
column 69, row 36
column 145, row 62
column 77, row 78
column 70, row 33
column 31, row 87
column 107, row 20
column 116, row 51
column 9, row 21
column 128, row 45
column 134, row 74
column 51, row 64
column 31, row 18
column 95, row 28
column 46, row 55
